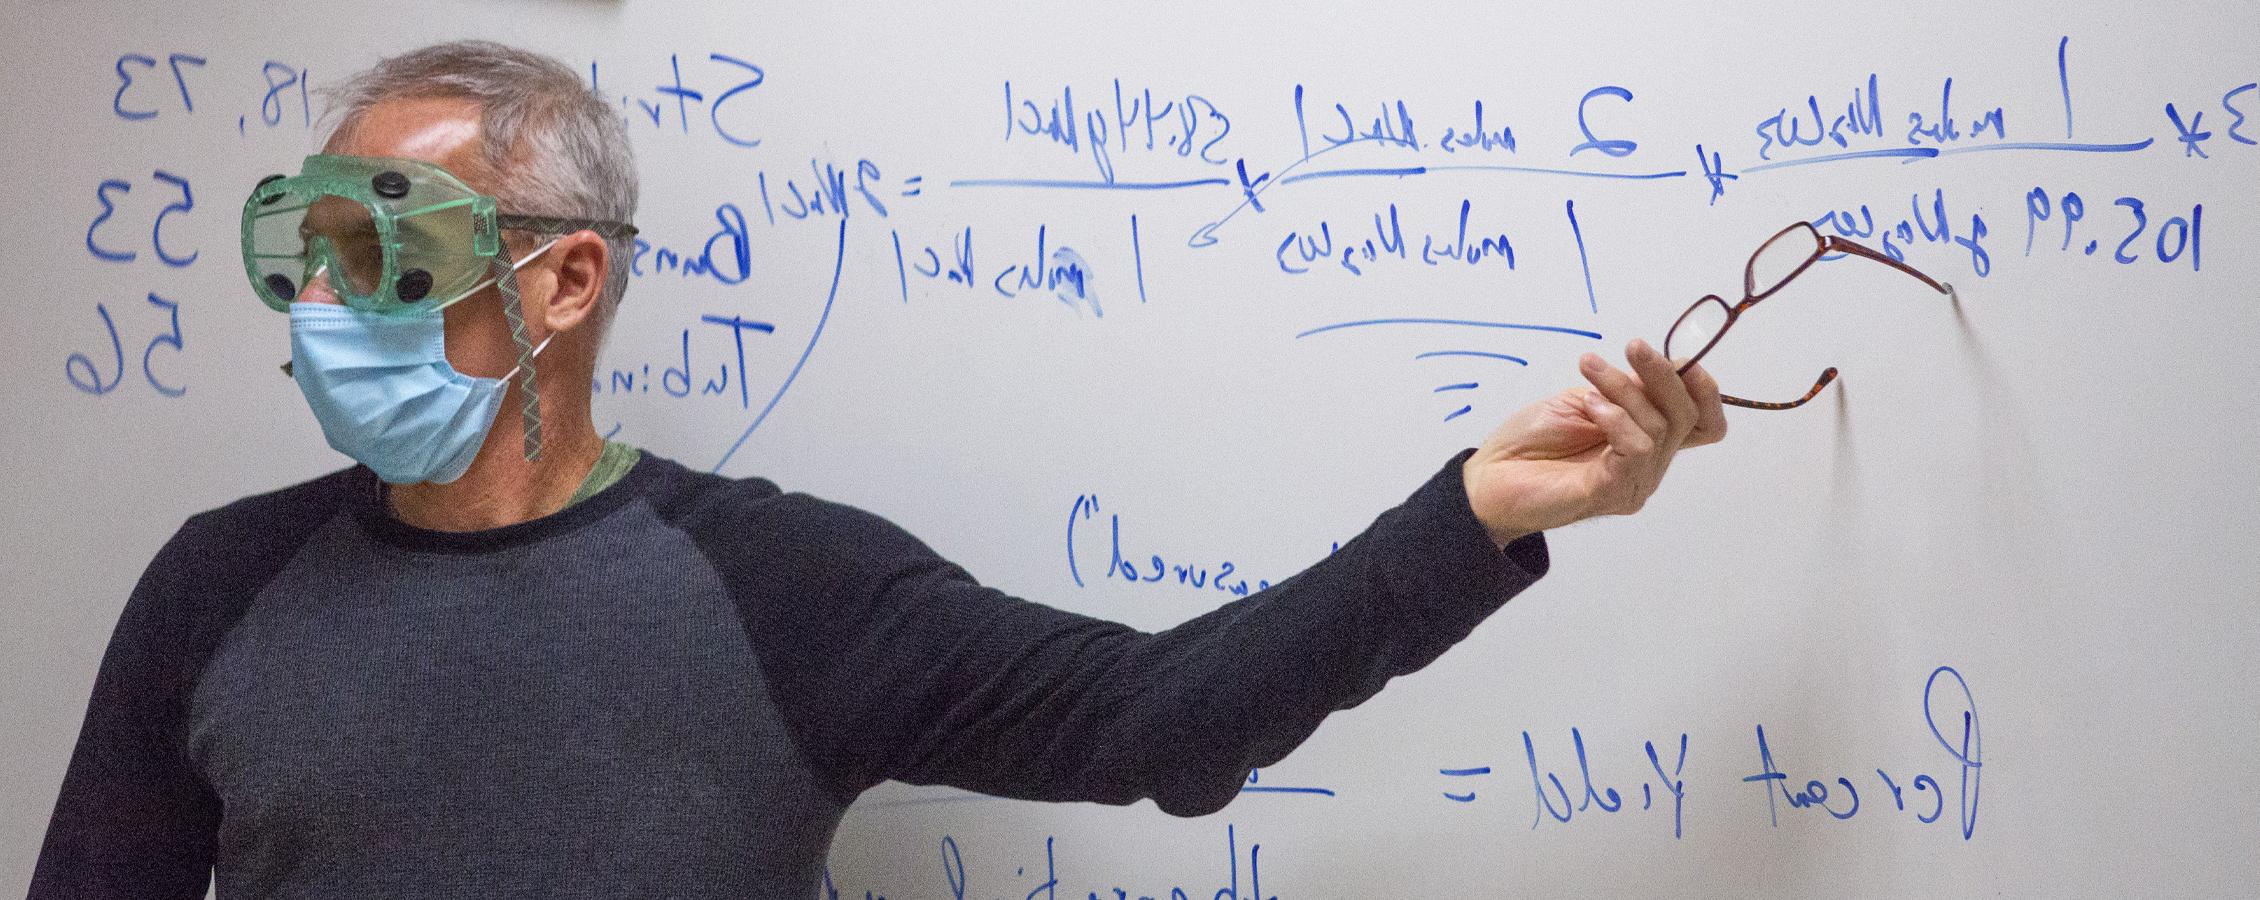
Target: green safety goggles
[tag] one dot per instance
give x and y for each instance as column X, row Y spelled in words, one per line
column 392, row 235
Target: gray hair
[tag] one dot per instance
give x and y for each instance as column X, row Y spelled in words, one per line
column 554, row 147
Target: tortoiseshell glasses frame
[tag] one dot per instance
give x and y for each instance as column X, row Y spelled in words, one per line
column 1693, row 325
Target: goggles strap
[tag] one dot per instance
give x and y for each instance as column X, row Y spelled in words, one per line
column 564, row 225
column 496, row 276
column 505, row 279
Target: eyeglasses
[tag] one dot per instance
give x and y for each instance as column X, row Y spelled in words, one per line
column 1778, row 261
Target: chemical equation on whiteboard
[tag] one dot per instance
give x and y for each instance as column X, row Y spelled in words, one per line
column 1925, row 794
column 828, row 193
column 1133, row 122
column 1036, row 262
column 1872, row 120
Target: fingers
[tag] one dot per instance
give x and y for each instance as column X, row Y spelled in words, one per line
column 1653, row 393
column 1620, row 389
column 1660, row 380
column 1665, row 413
column 1710, row 413
column 1625, row 435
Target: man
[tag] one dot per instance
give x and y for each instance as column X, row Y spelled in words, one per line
column 503, row 657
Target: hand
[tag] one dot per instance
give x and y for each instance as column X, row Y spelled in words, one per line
column 1591, row 451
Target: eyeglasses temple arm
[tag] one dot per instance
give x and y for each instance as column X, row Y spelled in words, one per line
column 1835, row 244
column 1827, row 376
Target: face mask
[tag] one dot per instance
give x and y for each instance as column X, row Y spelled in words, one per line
column 384, row 393
column 394, row 237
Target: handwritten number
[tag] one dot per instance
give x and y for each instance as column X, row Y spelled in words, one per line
column 2073, row 208
column 156, row 230
column 92, row 382
column 271, row 107
column 2186, row 234
column 81, row 371
column 2036, row 211
column 125, row 82
column 1615, row 148
column 2141, row 221
column 172, row 338
column 175, row 60
column 1221, row 118
column 102, row 194
column 2196, row 226
column 2228, row 102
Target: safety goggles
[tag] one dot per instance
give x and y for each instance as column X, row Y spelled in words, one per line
column 391, row 235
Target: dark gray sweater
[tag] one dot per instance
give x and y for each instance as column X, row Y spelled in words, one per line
column 673, row 689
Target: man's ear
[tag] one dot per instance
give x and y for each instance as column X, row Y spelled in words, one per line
column 582, row 261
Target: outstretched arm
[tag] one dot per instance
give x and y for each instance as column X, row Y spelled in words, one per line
column 907, row 668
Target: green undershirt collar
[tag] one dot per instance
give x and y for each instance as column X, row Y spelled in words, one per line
column 611, row 466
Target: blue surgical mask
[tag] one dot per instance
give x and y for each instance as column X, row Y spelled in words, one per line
column 383, row 390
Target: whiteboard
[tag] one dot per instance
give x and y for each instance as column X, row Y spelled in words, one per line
column 1047, row 283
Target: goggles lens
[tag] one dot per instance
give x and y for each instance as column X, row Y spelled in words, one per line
column 391, row 235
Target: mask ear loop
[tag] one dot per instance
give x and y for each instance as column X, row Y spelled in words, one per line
column 506, row 279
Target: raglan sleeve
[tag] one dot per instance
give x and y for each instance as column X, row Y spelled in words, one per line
column 909, row 669
column 133, row 818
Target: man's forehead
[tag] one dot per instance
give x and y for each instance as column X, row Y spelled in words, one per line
column 440, row 130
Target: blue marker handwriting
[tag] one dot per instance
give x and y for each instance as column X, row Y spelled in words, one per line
column 1862, row 117
column 1088, row 546
column 1041, row 266
column 1950, row 709
column 168, row 90
column 1057, row 270
column 1860, row 129
column 1255, row 785
column 1303, row 250
column 831, row 191
column 1185, row 126
column 1388, row 125
column 1571, row 782
column 726, row 255
column 111, row 237
column 950, row 262
column 1668, row 790
column 83, row 371
column 2247, row 94
column 679, row 378
column 102, row 241
column 723, row 105
column 1391, row 128
column 2176, row 237
column 1926, row 224
column 1042, row 880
